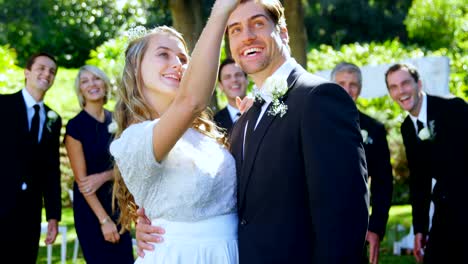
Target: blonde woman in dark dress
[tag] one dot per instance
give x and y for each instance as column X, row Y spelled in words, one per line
column 87, row 141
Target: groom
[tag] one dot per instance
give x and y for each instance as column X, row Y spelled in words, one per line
column 302, row 195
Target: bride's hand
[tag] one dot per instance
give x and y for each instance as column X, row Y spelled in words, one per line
column 225, row 5
column 244, row 104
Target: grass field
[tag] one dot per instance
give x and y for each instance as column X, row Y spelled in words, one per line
column 399, row 215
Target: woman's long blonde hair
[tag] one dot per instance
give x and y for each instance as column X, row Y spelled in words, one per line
column 132, row 108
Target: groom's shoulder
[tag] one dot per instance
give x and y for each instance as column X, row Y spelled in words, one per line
column 305, row 80
column 309, row 83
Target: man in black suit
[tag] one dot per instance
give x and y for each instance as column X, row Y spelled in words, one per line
column 302, row 193
column 233, row 82
column 29, row 160
column 379, row 168
column 434, row 134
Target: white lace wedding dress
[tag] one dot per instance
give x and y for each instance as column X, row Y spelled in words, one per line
column 191, row 193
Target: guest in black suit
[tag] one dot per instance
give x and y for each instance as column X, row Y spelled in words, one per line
column 434, row 134
column 29, row 159
column 301, row 170
column 233, row 82
column 378, row 160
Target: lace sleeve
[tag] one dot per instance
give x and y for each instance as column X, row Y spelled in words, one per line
column 133, row 154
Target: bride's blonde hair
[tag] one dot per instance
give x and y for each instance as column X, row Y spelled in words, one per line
column 132, row 108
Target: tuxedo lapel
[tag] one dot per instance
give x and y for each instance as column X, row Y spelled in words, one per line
column 46, row 129
column 251, row 150
column 257, row 137
column 237, row 139
column 23, row 122
column 432, row 112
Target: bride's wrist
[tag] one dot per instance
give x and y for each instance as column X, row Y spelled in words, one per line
column 105, row 220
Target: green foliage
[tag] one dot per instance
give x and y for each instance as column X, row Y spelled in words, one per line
column 9, row 76
column 383, row 109
column 336, row 22
column 110, row 58
column 439, row 23
column 67, row 28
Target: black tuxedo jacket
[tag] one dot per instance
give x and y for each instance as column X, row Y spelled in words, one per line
column 20, row 161
column 445, row 158
column 223, row 119
column 302, row 195
column 380, row 172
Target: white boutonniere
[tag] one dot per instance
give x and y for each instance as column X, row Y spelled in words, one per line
column 275, row 88
column 428, row 133
column 51, row 117
column 112, row 127
column 365, row 137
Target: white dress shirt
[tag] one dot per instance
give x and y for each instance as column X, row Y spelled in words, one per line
column 233, row 113
column 422, row 114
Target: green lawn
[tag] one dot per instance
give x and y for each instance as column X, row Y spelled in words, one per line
column 398, row 215
column 67, row 220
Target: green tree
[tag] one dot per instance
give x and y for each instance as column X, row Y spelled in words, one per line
column 68, row 29
column 336, row 22
column 439, row 23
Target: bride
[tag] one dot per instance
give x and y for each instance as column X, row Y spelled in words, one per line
column 170, row 158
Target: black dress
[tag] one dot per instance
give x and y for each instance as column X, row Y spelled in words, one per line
column 95, row 139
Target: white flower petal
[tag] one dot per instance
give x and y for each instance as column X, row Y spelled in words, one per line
column 424, row 134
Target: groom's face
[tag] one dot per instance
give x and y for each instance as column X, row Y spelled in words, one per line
column 256, row 43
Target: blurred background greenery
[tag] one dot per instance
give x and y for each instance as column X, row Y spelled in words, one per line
column 323, row 33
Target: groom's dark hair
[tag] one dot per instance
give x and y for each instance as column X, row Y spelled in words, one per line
column 274, row 9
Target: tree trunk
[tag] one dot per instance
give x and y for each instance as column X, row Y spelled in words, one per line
column 187, row 19
column 297, row 34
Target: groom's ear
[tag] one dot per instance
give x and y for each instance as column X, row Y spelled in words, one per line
column 284, row 35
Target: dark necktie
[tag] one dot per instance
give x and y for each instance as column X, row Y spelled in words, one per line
column 252, row 120
column 236, row 117
column 420, row 126
column 35, row 125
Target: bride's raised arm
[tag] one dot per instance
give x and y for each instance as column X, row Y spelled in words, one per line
column 197, row 84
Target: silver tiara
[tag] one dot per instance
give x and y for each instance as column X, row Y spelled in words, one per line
column 136, row 33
